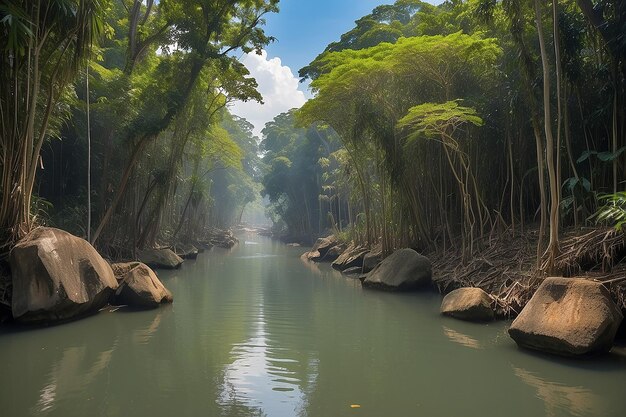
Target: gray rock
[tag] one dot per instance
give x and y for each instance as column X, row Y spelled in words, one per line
column 204, row 245
column 372, row 258
column 160, row 258
column 568, row 316
column 471, row 304
column 355, row 270
column 403, row 270
column 57, row 276
column 351, row 257
column 320, row 248
column 333, row 253
column 186, row 251
column 222, row 238
column 139, row 286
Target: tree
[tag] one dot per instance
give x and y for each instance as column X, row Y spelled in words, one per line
column 207, row 33
column 43, row 43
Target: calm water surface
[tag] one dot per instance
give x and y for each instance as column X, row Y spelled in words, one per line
column 257, row 332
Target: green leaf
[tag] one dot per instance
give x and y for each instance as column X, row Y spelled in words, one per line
column 585, row 155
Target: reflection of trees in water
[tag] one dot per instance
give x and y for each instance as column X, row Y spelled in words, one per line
column 461, row 339
column 76, row 369
column 143, row 335
column 233, row 406
column 82, row 363
column 273, row 368
column 558, row 397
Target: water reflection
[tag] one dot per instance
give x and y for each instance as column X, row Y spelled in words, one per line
column 262, row 376
column 75, row 370
column 558, row 397
column 461, row 339
column 143, row 335
column 257, row 256
column 278, row 337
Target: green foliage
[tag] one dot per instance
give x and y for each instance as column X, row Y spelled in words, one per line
column 292, row 176
column 432, row 119
column 613, row 210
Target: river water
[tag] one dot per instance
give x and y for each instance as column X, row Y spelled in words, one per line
column 257, row 332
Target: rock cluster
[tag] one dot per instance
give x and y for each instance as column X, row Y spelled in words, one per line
column 57, row 276
column 319, row 251
column 222, row 238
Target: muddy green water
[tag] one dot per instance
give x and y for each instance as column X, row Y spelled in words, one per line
column 257, row 332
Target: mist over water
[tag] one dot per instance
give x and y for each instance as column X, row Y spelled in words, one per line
column 256, row 332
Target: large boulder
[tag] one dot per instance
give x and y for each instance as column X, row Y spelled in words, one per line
column 351, row 257
column 403, row 270
column 57, row 276
column 139, row 286
column 203, row 245
column 320, row 248
column 160, row 258
column 334, row 252
column 354, row 271
column 472, row 304
column 568, row 316
column 372, row 258
column 222, row 238
column 186, row 251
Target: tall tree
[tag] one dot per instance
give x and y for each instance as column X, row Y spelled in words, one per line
column 43, row 43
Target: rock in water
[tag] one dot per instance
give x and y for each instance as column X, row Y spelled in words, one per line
column 372, row 258
column 351, row 257
column 354, row 271
column 139, row 286
column 321, row 247
column 160, row 258
column 57, row 276
column 568, row 316
column 471, row 304
column 222, row 238
column 186, row 251
column 333, row 253
column 403, row 270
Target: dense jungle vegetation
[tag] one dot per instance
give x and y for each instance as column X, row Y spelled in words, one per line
column 115, row 122
column 435, row 127
column 469, row 120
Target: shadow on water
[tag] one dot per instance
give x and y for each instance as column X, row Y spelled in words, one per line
column 614, row 361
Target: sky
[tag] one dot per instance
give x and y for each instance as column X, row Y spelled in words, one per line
column 303, row 29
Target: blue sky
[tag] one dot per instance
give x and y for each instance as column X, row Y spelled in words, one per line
column 303, row 29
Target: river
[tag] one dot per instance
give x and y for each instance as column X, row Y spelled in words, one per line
column 257, row 332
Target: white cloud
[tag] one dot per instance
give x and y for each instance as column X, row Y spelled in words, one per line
column 277, row 85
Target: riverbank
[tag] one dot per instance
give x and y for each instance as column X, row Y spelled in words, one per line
column 506, row 266
column 583, row 310
column 52, row 276
column 255, row 331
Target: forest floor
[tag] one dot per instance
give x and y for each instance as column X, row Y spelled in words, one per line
column 506, row 266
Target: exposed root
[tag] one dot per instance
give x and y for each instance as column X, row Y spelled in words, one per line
column 506, row 267
column 591, row 250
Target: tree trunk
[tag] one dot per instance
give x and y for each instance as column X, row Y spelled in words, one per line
column 553, row 245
